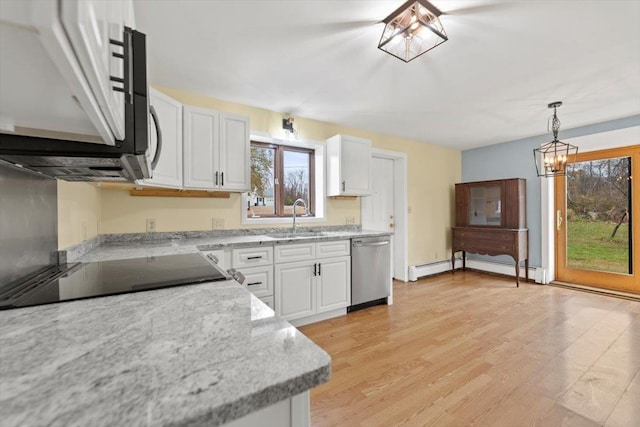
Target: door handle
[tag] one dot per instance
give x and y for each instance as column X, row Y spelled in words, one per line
column 558, row 219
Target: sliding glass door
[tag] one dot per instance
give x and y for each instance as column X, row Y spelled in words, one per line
column 596, row 231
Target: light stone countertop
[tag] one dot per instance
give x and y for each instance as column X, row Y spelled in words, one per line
column 133, row 246
column 192, row 355
column 195, row 355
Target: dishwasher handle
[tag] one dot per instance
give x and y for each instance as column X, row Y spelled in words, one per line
column 359, row 243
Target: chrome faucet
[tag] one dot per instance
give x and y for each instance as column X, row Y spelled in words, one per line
column 295, row 204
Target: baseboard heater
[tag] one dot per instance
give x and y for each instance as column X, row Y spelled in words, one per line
column 418, row 271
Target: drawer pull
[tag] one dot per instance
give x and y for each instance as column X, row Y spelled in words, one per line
column 255, row 257
column 213, row 258
column 254, row 283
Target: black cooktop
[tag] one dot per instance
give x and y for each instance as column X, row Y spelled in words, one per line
column 95, row 279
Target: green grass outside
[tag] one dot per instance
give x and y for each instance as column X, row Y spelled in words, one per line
column 590, row 247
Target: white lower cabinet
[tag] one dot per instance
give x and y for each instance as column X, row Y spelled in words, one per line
column 308, row 283
column 291, row 412
column 334, row 284
column 314, row 289
column 295, row 289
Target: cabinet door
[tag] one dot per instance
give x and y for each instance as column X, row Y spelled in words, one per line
column 348, row 166
column 168, row 171
column 89, row 25
column 295, row 290
column 234, row 167
column 334, row 284
column 200, row 147
column 356, row 166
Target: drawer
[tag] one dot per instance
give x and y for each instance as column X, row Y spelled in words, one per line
column 333, row 248
column 220, row 257
column 252, row 257
column 259, row 280
column 484, row 246
column 297, row 252
column 269, row 302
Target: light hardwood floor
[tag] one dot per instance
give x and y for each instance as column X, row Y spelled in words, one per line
column 472, row 349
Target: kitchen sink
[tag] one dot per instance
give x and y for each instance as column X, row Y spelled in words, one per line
column 296, row 235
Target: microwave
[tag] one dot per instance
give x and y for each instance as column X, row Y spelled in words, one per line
column 128, row 160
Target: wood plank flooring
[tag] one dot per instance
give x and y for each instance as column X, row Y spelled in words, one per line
column 472, row 349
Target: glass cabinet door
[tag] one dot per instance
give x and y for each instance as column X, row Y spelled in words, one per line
column 485, row 205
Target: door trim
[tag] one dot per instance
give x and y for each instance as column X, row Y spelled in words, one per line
column 400, row 254
column 597, row 141
column 598, row 278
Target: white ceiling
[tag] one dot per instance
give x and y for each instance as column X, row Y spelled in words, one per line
column 490, row 83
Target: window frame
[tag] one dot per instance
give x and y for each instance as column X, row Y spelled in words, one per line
column 317, row 204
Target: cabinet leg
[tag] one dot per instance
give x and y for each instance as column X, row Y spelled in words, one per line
column 526, row 266
column 453, row 262
column 517, row 274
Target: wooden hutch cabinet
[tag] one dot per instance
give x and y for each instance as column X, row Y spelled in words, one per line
column 491, row 220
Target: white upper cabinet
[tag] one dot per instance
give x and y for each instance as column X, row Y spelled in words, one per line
column 216, row 150
column 348, row 166
column 201, row 144
column 90, row 24
column 56, row 66
column 168, row 170
column 234, row 160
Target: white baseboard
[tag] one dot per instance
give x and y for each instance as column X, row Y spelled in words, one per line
column 417, row 271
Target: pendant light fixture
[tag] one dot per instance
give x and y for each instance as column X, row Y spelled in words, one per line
column 551, row 158
column 412, row 29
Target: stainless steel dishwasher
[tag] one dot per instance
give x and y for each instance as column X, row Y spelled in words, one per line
column 370, row 271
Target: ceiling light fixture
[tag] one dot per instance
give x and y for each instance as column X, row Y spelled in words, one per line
column 552, row 158
column 412, row 29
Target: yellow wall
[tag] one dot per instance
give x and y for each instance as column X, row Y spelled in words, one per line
column 432, row 171
column 78, row 212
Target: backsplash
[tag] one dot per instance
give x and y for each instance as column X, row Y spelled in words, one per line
column 28, row 223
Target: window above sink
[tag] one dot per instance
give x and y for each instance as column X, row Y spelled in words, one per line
column 281, row 172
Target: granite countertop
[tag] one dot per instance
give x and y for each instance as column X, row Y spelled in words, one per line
column 150, row 244
column 193, row 355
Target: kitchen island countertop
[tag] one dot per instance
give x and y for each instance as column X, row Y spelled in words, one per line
column 194, row 355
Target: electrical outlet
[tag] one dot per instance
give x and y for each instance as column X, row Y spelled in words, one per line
column 217, row 223
column 151, row 225
column 350, row 220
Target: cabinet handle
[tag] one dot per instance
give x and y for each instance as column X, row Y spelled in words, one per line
column 344, row 184
column 315, row 269
column 222, row 179
column 254, row 283
column 213, row 258
column 254, row 257
column 216, row 177
column 319, row 269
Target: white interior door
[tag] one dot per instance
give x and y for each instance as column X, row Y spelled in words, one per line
column 386, row 208
column 378, row 209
